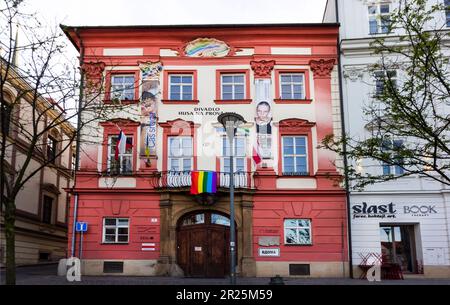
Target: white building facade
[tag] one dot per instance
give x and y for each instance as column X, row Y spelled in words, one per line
column 407, row 220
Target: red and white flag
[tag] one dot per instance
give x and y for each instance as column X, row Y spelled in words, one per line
column 256, row 153
column 123, row 143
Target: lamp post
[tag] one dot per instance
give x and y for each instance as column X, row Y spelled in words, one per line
column 230, row 121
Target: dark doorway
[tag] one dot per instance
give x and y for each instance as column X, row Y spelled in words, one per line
column 203, row 240
column 397, row 246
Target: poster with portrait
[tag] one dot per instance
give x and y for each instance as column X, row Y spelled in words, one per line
column 263, row 118
column 149, row 100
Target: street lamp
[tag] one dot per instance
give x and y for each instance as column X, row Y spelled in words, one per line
column 231, row 121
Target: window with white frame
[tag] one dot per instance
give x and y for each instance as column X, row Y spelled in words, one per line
column 51, row 149
column 239, row 154
column 116, row 230
column 180, row 154
column 379, row 18
column 295, row 156
column 233, row 86
column 119, row 163
column 297, row 232
column 122, row 87
column 382, row 78
column 292, row 86
column 392, row 147
column 447, row 12
column 181, row 87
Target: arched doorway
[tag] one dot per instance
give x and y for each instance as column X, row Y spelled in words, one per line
column 203, row 239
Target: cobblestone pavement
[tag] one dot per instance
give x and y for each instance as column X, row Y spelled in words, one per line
column 46, row 275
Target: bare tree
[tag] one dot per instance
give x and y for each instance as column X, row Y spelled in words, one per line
column 48, row 95
column 408, row 119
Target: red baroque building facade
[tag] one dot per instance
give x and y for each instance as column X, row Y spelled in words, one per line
column 166, row 86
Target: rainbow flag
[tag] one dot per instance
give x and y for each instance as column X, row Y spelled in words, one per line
column 203, row 182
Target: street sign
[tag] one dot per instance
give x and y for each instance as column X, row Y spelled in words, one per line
column 269, row 251
column 81, row 226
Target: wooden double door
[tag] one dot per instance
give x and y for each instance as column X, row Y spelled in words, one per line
column 203, row 240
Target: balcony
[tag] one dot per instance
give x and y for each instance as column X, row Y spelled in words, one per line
column 182, row 180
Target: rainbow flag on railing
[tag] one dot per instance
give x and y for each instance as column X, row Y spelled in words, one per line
column 203, row 182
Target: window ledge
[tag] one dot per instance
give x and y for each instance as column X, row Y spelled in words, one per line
column 180, row 102
column 298, row 245
column 299, row 101
column 126, row 244
column 241, row 101
column 295, row 176
column 121, row 102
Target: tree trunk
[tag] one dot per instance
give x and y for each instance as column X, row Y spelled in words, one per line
column 10, row 219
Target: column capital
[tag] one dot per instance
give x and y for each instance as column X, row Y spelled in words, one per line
column 262, row 68
column 322, row 68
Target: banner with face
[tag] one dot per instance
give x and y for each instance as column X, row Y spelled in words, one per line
column 149, row 101
column 263, row 117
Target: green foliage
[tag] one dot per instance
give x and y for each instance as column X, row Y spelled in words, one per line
column 414, row 108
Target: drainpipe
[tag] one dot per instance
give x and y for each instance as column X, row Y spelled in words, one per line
column 77, row 153
column 344, row 147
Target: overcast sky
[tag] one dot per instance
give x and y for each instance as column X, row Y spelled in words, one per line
column 143, row 12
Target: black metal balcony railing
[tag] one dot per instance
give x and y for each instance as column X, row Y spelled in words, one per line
column 182, row 179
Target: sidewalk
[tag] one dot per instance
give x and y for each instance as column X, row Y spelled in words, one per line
column 46, row 275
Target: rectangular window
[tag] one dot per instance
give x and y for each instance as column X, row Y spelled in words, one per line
column 122, row 87
column 382, row 78
column 6, row 124
column 239, row 154
column 391, row 146
column 47, row 208
column 119, row 163
column 116, row 230
column 74, row 162
column 51, row 149
column 181, row 87
column 295, row 156
column 447, row 12
column 379, row 18
column 297, row 232
column 292, row 86
column 180, row 154
column 233, row 86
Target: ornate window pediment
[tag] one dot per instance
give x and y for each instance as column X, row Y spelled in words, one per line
column 295, row 125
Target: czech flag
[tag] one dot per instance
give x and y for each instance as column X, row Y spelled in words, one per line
column 256, row 155
column 123, row 143
column 203, row 182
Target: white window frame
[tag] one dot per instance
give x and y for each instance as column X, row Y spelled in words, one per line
column 378, row 16
column 122, row 157
column 384, row 75
column 295, row 155
column 232, row 84
column 297, row 228
column 120, row 90
column 116, row 228
column 292, row 84
column 235, row 157
column 52, row 148
column 181, row 85
column 447, row 13
column 181, row 157
column 395, row 170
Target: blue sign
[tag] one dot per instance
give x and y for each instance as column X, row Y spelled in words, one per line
column 81, row 226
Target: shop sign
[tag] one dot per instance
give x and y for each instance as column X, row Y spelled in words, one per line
column 365, row 210
column 420, row 210
column 269, row 251
column 202, row 111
